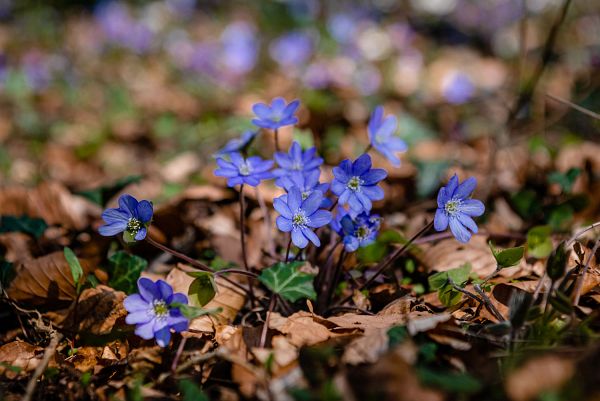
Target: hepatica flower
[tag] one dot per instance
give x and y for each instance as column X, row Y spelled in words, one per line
column 356, row 183
column 153, row 311
column 277, row 115
column 456, row 208
column 238, row 144
column 296, row 160
column 244, row 171
column 300, row 216
column 381, row 134
column 131, row 218
column 307, row 183
column 359, row 232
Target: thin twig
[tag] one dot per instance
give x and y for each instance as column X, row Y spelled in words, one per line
column 39, row 370
column 488, row 303
column 178, row 354
column 574, row 106
column 287, row 251
column 193, row 262
column 581, row 232
column 266, row 220
column 243, row 228
column 263, row 335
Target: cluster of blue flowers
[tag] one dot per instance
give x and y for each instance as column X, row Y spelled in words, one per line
column 306, row 206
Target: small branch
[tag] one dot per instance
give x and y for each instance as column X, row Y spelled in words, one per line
column 581, row 279
column 266, row 220
column 236, row 271
column 178, row 354
column 39, row 370
column 467, row 293
column 581, row 232
column 193, row 262
column 488, row 303
column 574, row 106
column 243, row 228
column 263, row 335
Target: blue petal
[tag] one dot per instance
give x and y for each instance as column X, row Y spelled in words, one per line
column 452, row 185
column 252, row 180
column 148, row 289
column 294, row 199
column 163, row 337
column 364, row 200
column 344, row 196
column 459, row 231
column 299, row 239
column 262, row 123
column 354, row 203
column 233, row 181
column 261, row 110
column 337, row 187
column 350, row 243
column 388, row 127
column 466, row 188
column 141, row 234
column 442, row 198
column 145, row 330
column 111, row 216
column 472, row 207
column 361, row 165
column 135, row 303
column 312, row 237
column 373, row 176
column 467, row 222
column 179, row 324
column 343, row 172
column 139, row 317
column 237, row 159
column 284, row 160
column 278, row 105
column 291, row 108
column 129, row 204
column 226, row 172
column 144, row 211
column 320, row 218
column 296, row 152
column 109, row 230
column 312, row 203
column 178, row 297
column 166, row 291
column 282, row 208
column 373, row 192
column 284, row 224
column 440, row 221
column 375, row 120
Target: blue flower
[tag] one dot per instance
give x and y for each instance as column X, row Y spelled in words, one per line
column 306, row 183
column 244, row 171
column 131, row 218
column 277, row 115
column 356, row 183
column 381, row 134
column 153, row 313
column 301, row 216
column 296, row 160
column 455, row 208
column 237, row 144
column 359, row 232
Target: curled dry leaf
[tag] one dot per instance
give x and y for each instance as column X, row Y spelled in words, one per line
column 229, row 298
column 45, row 280
column 19, row 357
column 51, row 202
column 539, row 375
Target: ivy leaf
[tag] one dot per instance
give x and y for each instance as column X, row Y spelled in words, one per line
column 202, row 289
column 103, row 194
column 539, row 243
column 125, row 269
column 507, row 257
column 75, row 266
column 287, row 280
column 24, row 224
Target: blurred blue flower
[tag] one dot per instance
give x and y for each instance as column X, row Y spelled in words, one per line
column 153, row 313
column 458, row 88
column 381, row 134
column 244, row 171
column 359, row 232
column 295, row 161
column 455, row 208
column 277, row 115
column 131, row 218
column 306, row 182
column 292, row 50
column 300, row 216
column 356, row 183
column 238, row 144
column 121, row 28
column 239, row 47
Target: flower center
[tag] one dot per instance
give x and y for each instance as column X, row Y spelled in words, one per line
column 160, row 308
column 379, row 139
column 244, row 169
column 354, row 183
column 452, row 206
column 305, row 194
column 362, row 232
column 297, row 165
column 134, row 225
column 300, row 220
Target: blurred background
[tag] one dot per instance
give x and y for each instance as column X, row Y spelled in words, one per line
column 92, row 92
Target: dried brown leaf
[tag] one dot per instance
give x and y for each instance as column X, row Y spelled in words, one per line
column 539, row 375
column 21, row 355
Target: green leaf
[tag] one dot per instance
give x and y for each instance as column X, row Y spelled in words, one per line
column 429, row 175
column 23, row 224
column 202, row 289
column 191, row 392
column 377, row 250
column 287, row 280
column 539, row 243
column 449, row 296
column 560, row 215
column 75, row 266
column 557, row 262
column 192, row 312
column 103, row 194
column 125, row 269
column 565, row 180
column 441, row 281
column 507, row 257
column 526, row 203
column 7, row 273
column 461, row 383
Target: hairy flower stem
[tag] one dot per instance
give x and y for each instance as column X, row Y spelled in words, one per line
column 368, row 148
column 384, row 264
column 263, row 335
column 276, row 139
column 267, row 222
column 243, row 227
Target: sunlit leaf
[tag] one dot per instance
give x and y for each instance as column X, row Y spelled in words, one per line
column 539, row 243
column 288, row 281
column 507, row 257
column 75, row 266
column 202, row 289
column 125, row 269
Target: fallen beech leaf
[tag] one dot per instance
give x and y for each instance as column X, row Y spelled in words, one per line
column 420, row 322
column 229, row 298
column 44, row 279
column 366, row 348
column 51, row 202
column 539, row 375
column 85, row 358
column 301, row 328
column 23, row 356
